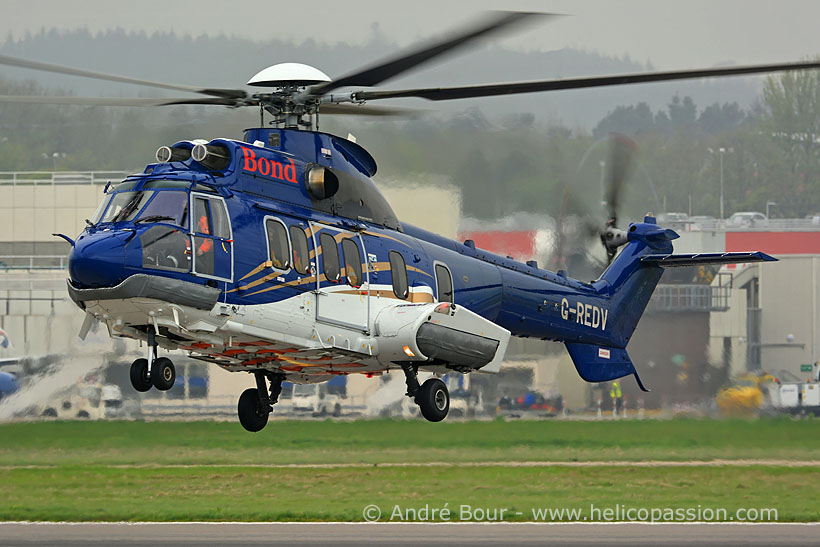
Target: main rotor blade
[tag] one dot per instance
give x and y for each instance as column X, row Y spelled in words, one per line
column 365, row 110
column 46, row 67
column 116, row 101
column 385, row 70
column 489, row 90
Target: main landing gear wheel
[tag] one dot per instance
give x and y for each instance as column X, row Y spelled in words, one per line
column 253, row 414
column 163, row 374
column 139, row 375
column 433, row 400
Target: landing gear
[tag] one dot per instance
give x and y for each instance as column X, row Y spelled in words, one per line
column 163, row 374
column 255, row 405
column 253, row 414
column 432, row 397
column 139, row 375
column 154, row 371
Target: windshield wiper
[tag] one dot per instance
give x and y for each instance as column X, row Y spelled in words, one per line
column 128, row 209
column 153, row 218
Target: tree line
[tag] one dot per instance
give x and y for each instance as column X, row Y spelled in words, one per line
column 501, row 164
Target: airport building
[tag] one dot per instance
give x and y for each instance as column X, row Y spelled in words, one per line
column 42, row 322
column 701, row 327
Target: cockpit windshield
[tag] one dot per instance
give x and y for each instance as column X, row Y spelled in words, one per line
column 166, row 206
column 124, row 206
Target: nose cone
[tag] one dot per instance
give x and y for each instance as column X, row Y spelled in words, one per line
column 98, row 259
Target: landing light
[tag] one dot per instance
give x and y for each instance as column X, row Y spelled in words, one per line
column 408, row 351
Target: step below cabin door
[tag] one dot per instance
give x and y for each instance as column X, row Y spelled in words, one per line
column 343, row 298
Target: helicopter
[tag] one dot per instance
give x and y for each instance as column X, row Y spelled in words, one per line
column 276, row 255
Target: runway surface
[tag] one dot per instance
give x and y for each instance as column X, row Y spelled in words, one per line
column 208, row 534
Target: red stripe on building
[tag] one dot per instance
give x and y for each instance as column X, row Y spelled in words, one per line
column 518, row 244
column 775, row 243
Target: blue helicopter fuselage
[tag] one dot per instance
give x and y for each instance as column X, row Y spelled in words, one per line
column 234, row 232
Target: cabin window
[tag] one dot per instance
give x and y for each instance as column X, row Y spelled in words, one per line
column 278, row 244
column 301, row 252
column 330, row 257
column 353, row 262
column 444, row 283
column 398, row 270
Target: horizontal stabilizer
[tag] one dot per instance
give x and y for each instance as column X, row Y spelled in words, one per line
column 679, row 260
column 601, row 364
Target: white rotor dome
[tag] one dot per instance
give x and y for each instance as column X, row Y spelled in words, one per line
column 288, row 74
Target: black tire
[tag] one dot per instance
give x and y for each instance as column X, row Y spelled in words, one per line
column 252, row 413
column 163, row 374
column 337, row 410
column 50, row 412
column 433, row 400
column 139, row 375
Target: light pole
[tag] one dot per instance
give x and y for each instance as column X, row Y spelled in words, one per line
column 722, row 151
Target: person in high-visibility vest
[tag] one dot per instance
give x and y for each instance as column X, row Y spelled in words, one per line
column 207, row 243
column 617, row 397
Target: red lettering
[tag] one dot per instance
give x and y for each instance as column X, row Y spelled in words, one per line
column 264, row 166
column 290, row 172
column 268, row 167
column 250, row 159
column 276, row 170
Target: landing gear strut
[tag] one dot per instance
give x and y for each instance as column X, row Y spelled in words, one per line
column 432, row 396
column 153, row 371
column 255, row 404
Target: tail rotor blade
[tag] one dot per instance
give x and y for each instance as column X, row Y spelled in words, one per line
column 621, row 162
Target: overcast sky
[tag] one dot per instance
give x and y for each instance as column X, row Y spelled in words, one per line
column 669, row 34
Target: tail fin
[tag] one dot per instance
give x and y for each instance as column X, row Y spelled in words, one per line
column 628, row 284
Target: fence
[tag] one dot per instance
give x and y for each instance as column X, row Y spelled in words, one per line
column 43, row 178
column 33, row 262
column 683, row 298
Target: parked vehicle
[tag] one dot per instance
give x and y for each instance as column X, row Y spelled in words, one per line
column 748, row 219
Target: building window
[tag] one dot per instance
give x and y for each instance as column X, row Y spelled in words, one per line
column 301, row 252
column 330, row 257
column 353, row 262
column 278, row 244
column 398, row 270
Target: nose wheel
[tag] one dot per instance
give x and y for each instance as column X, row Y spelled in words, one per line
column 153, row 371
column 139, row 375
column 163, row 374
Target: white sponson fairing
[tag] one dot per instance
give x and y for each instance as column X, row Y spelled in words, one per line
column 286, row 335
